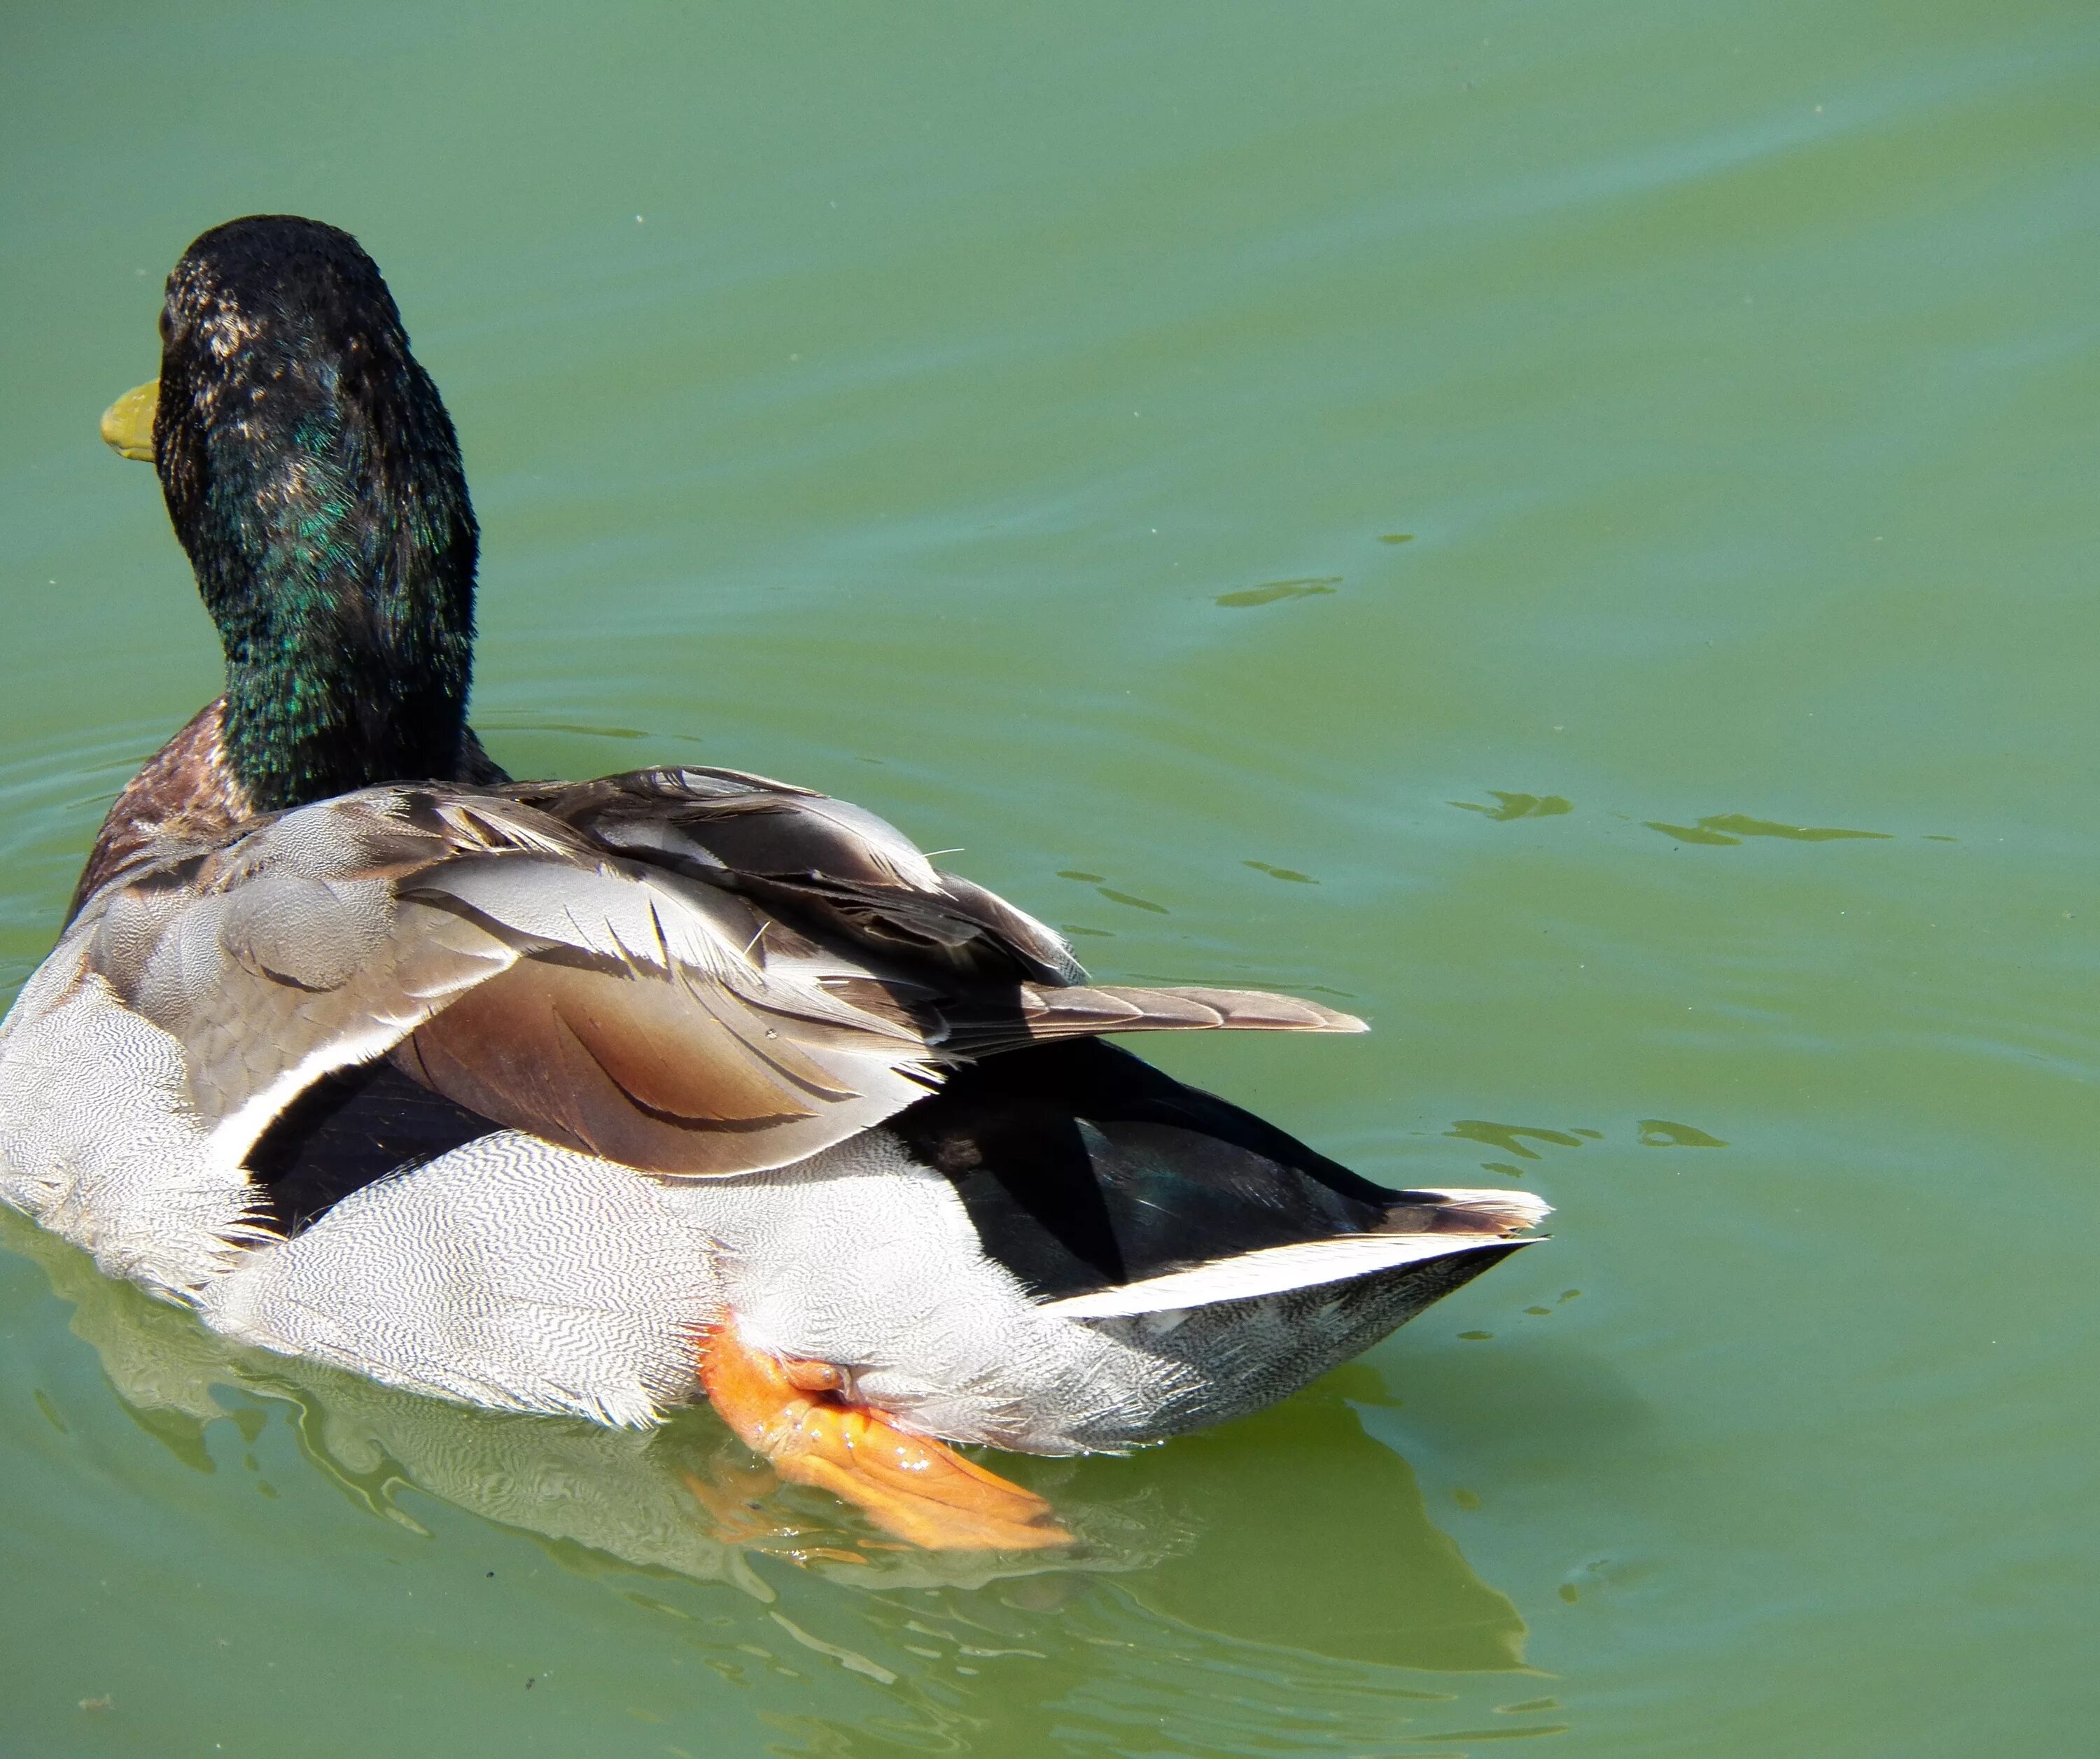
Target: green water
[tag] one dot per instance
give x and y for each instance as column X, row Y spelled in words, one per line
column 1010, row 418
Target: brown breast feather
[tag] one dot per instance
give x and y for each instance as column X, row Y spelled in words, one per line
column 186, row 792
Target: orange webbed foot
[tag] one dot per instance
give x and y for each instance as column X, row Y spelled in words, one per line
column 795, row 1413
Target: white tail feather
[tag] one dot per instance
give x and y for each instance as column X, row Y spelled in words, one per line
column 1273, row 1270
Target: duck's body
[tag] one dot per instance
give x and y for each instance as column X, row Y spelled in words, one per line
column 596, row 1097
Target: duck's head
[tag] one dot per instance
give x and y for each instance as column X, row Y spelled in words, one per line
column 314, row 478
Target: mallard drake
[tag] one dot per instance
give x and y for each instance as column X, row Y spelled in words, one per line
column 600, row 1097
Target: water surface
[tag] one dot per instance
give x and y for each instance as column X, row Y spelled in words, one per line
column 1566, row 530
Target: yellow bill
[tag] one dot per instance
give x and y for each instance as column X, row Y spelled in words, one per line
column 127, row 424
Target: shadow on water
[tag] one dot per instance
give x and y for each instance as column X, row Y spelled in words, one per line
column 1280, row 1573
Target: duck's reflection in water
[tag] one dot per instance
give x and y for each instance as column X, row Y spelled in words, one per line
column 1265, row 1578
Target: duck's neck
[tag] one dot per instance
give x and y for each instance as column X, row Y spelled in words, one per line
column 334, row 545
column 348, row 659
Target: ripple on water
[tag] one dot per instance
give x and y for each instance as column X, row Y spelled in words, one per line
column 1273, row 592
column 1722, row 829
column 1509, row 806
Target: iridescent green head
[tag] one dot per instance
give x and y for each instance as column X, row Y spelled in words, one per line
column 314, row 478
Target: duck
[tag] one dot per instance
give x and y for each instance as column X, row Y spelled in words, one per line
column 604, row 1098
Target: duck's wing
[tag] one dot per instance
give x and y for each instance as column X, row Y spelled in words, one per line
column 691, row 973
column 835, row 868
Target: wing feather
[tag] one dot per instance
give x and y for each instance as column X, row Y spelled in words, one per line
column 818, row 861
column 693, row 972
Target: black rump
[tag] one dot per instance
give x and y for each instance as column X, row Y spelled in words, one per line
column 1083, row 1167
column 349, row 1130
